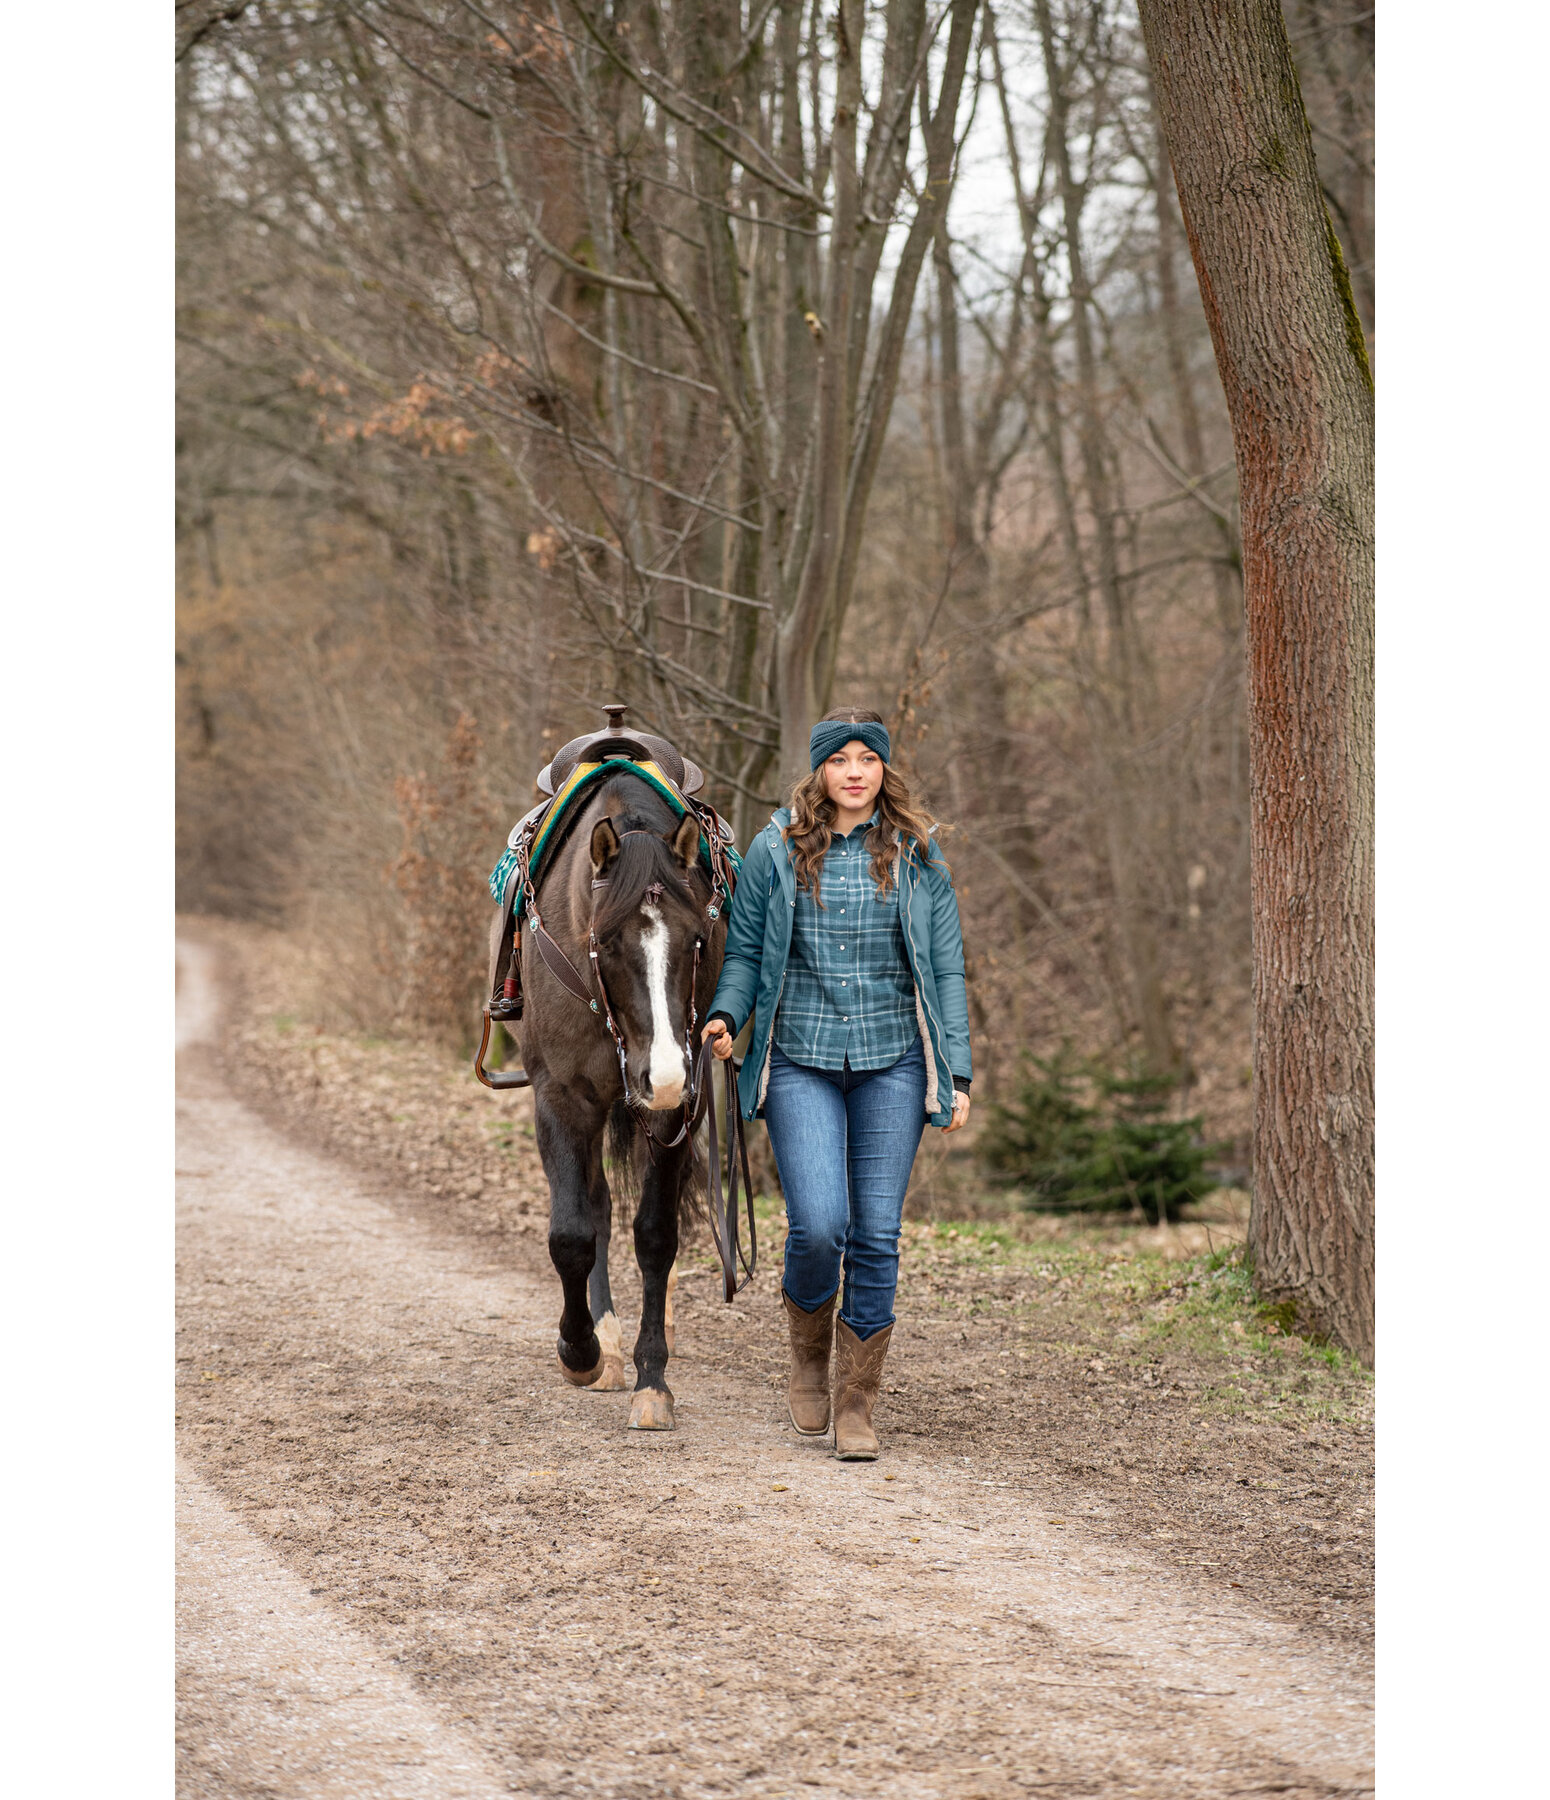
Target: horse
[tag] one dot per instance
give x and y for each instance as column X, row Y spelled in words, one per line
column 629, row 904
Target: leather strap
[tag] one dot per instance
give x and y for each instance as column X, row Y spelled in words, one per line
column 560, row 965
column 723, row 1204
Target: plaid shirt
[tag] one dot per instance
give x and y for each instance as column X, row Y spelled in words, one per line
column 849, row 995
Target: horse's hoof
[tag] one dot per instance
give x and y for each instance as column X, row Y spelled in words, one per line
column 611, row 1381
column 652, row 1410
column 580, row 1378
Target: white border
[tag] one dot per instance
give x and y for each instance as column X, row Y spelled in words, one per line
column 1462, row 1001
column 88, row 1017
column 1463, row 1004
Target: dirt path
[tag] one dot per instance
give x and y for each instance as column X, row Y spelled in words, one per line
column 275, row 1696
column 418, row 1564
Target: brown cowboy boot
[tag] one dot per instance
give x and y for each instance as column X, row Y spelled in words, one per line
column 858, row 1371
column 807, row 1392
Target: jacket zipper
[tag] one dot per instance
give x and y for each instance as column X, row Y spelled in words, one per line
column 925, row 1003
column 769, row 1049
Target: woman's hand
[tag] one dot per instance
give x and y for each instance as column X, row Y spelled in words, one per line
column 960, row 1112
column 720, row 1038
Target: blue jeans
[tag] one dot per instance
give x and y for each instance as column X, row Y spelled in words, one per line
column 845, row 1142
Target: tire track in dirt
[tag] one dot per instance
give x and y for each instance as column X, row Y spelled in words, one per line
column 678, row 1614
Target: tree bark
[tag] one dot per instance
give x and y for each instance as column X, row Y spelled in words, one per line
column 1225, row 570
column 1294, row 367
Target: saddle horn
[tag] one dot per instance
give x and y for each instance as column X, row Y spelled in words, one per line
column 635, row 746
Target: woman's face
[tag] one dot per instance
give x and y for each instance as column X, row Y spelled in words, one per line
column 853, row 777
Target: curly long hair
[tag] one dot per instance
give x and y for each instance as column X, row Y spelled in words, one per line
column 811, row 830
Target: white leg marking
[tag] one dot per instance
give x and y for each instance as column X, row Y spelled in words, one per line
column 667, row 1070
column 609, row 1335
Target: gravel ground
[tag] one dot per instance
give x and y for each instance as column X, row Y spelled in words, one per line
column 1119, row 1541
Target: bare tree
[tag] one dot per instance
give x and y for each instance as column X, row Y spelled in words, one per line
column 680, row 250
column 1294, row 367
column 503, row 330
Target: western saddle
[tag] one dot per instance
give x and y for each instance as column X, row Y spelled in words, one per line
column 562, row 781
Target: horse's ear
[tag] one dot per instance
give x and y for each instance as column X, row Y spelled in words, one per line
column 605, row 847
column 686, row 840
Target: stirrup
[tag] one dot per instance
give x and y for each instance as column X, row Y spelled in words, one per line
column 496, row 1078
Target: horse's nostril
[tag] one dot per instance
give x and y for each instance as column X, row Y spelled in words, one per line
column 662, row 1086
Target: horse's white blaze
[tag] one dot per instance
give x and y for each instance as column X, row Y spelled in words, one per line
column 666, row 1068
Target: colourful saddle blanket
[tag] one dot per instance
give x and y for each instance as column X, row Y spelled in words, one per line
column 551, row 828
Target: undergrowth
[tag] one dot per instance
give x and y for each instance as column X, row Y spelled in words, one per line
column 1140, row 1310
column 1196, row 1324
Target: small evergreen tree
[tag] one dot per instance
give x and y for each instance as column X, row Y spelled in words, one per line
column 1076, row 1137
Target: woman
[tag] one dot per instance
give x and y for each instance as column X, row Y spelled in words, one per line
column 844, row 944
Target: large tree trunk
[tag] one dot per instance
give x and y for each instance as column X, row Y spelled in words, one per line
column 1293, row 362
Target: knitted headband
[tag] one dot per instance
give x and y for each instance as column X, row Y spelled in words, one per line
column 830, row 735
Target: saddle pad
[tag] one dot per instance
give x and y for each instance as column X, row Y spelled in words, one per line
column 583, row 776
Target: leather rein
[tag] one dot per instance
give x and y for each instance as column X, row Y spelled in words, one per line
column 697, row 1103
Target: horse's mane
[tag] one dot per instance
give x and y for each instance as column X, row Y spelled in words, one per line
column 642, row 859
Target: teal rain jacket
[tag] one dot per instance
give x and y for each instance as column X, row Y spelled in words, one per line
column 759, row 943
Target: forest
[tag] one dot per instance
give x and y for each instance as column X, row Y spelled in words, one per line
column 732, row 359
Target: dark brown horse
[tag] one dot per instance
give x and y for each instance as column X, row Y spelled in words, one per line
column 630, row 904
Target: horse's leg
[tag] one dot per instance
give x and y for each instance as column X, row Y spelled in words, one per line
column 567, row 1143
column 604, row 1318
column 656, row 1250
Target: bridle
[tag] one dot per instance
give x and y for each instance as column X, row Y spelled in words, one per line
column 565, row 972
column 699, row 1070
column 652, row 893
